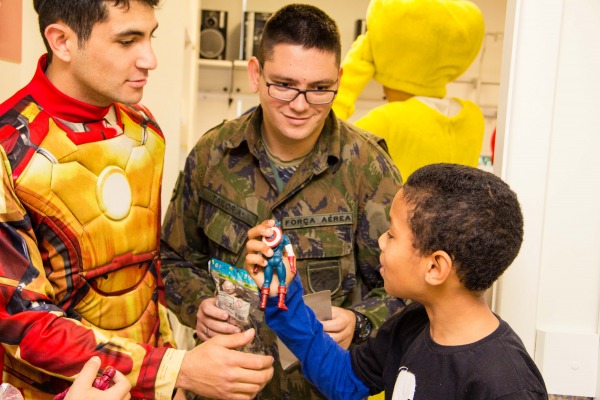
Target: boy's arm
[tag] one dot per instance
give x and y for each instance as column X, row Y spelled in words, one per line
column 324, row 362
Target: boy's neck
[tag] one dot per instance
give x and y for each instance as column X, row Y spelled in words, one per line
column 461, row 320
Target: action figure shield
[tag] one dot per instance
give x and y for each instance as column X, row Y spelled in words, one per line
column 275, row 239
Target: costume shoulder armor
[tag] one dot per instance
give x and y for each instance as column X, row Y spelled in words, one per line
column 140, row 114
column 17, row 138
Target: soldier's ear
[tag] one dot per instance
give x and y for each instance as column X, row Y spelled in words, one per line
column 254, row 74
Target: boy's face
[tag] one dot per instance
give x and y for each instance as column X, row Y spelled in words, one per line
column 400, row 261
column 113, row 65
column 296, row 121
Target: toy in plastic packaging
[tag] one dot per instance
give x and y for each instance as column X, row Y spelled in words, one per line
column 237, row 293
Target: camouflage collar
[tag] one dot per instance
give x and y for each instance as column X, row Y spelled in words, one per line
column 328, row 146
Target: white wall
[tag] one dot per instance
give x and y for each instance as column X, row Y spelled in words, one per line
column 551, row 295
column 166, row 94
column 16, row 75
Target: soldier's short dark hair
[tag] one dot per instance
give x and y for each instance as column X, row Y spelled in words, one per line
column 79, row 15
column 300, row 24
column 470, row 214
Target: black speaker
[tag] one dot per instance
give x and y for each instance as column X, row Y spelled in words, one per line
column 213, row 34
column 254, row 23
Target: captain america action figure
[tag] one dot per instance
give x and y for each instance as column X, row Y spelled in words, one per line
column 278, row 242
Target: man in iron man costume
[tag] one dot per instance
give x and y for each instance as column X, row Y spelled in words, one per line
column 278, row 242
column 81, row 169
column 73, row 194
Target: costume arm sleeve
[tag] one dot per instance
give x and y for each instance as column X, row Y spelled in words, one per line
column 379, row 186
column 34, row 329
column 358, row 70
column 327, row 365
column 184, row 248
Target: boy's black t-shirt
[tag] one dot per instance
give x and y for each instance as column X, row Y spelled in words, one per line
column 404, row 361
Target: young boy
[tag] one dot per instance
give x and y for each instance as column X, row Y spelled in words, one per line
column 454, row 230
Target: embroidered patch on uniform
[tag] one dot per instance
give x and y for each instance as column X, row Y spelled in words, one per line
column 230, row 208
column 324, row 275
column 317, row 220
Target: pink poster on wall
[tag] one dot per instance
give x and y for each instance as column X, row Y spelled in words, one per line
column 11, row 19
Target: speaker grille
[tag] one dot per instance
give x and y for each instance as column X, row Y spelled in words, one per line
column 212, row 43
column 213, row 34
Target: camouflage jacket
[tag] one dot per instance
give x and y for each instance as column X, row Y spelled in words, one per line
column 334, row 208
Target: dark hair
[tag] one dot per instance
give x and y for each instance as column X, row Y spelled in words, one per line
column 471, row 214
column 79, row 15
column 300, row 24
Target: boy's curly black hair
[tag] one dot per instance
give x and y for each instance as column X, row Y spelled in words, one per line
column 470, row 214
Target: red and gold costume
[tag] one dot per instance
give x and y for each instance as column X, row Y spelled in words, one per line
column 79, row 243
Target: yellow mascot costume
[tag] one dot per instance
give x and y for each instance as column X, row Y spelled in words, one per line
column 414, row 48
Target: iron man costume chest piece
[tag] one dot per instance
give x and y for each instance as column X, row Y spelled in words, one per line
column 95, row 211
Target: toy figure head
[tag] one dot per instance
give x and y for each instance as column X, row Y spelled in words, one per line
column 228, row 287
column 470, row 214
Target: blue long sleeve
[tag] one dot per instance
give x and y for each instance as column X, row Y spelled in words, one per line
column 324, row 362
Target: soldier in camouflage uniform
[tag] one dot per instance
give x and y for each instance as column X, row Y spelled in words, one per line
column 329, row 183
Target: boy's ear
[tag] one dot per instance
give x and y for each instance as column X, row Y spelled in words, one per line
column 439, row 268
column 60, row 39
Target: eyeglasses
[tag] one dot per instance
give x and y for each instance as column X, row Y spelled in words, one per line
column 288, row 93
